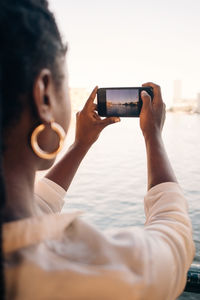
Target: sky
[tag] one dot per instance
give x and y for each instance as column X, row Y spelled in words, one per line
column 122, row 96
column 126, row 43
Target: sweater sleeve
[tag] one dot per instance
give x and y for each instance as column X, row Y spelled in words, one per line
column 169, row 227
column 49, row 196
column 154, row 259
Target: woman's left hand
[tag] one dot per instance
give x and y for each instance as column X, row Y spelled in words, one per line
column 88, row 123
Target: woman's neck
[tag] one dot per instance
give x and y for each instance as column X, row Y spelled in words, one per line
column 19, row 177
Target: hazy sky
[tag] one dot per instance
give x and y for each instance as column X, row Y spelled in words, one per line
column 122, row 96
column 127, row 42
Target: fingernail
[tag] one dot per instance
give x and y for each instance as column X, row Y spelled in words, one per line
column 117, row 120
column 144, row 93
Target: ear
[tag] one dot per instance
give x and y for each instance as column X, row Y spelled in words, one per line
column 43, row 95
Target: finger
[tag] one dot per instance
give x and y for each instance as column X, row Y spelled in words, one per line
column 95, row 106
column 77, row 114
column 108, row 121
column 156, row 91
column 91, row 98
column 149, row 83
column 146, row 100
column 96, row 116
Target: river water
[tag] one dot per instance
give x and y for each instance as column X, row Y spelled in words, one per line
column 122, row 110
column 111, row 182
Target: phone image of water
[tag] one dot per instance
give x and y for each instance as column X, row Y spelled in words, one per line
column 122, row 102
column 122, row 110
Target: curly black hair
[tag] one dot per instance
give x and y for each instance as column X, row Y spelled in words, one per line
column 30, row 41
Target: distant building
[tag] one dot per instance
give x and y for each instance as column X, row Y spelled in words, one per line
column 198, row 102
column 184, row 105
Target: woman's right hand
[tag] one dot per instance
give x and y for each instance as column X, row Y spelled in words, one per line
column 152, row 115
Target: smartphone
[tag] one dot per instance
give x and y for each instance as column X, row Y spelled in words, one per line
column 121, row 102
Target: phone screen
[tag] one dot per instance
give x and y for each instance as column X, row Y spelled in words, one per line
column 122, row 102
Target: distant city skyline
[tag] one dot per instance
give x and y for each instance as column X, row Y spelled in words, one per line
column 182, row 103
column 178, row 96
column 126, row 43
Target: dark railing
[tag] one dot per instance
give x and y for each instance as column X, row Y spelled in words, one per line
column 193, row 279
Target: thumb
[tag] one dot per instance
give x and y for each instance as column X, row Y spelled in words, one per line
column 146, row 100
column 108, row 121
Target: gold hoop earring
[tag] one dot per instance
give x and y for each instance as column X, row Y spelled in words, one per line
column 34, row 142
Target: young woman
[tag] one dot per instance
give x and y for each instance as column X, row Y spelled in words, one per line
column 45, row 255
